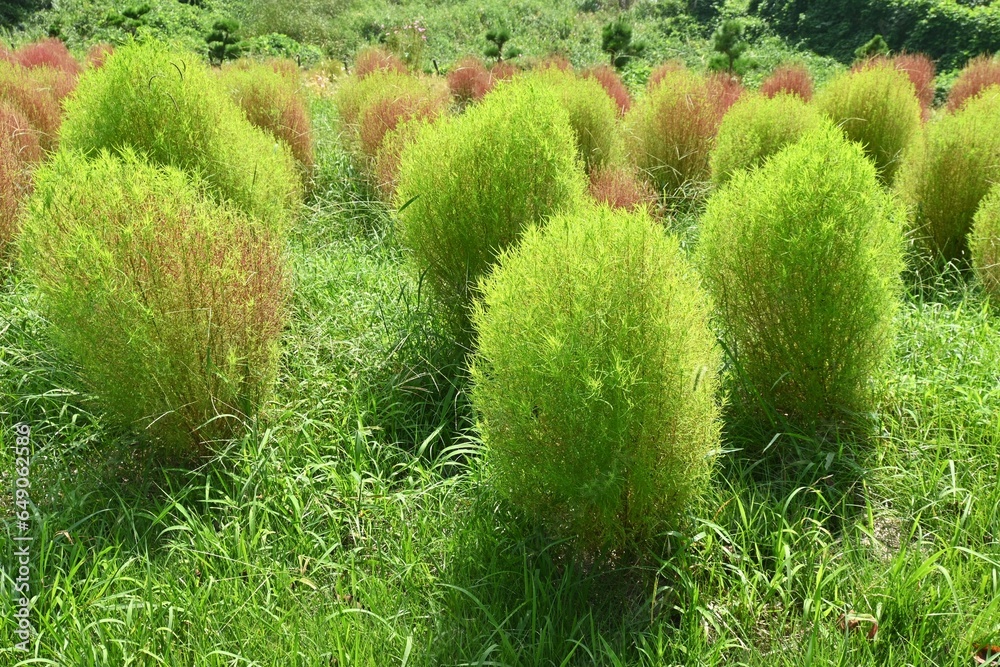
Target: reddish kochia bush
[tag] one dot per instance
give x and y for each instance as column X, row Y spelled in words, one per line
column 6, row 55
column 36, row 100
column 272, row 99
column 794, row 79
column 19, row 152
column 376, row 59
column 613, row 86
column 48, row 53
column 469, row 81
column 921, row 71
column 504, row 71
column 556, row 60
column 980, row 73
column 619, row 187
column 386, row 114
column 662, row 70
column 98, row 53
column 724, row 89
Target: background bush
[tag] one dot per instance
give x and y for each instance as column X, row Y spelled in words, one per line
column 271, row 96
column 592, row 114
column 167, row 105
column 792, row 78
column 21, row 89
column 985, row 242
column 755, row 128
column 670, row 131
column 803, row 258
column 877, row 107
column 977, row 75
column 170, row 304
column 945, row 176
column 595, row 378
column 19, row 152
column 474, row 183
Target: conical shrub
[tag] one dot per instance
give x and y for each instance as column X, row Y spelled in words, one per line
column 595, row 378
column 803, row 258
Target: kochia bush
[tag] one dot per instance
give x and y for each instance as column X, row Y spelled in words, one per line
column 595, row 378
column 979, row 74
column 877, row 107
column 592, row 114
column 472, row 184
column 792, row 79
column 755, row 128
column 803, row 258
column 984, row 243
column 167, row 106
column 670, row 131
column 945, row 176
column 169, row 303
column 19, row 152
column 39, row 104
column 613, row 86
column 621, row 187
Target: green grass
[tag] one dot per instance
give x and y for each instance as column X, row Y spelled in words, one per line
column 352, row 525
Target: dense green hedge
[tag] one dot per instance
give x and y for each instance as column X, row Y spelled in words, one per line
column 949, row 32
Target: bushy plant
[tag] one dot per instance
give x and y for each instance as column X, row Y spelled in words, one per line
column 670, row 131
column 372, row 59
column 169, row 303
column 803, row 258
column 224, row 41
column 877, row 107
column 169, row 107
column 921, row 71
column 945, row 176
column 616, row 41
column 49, row 52
column 32, row 98
column 792, row 78
column 758, row 127
column 613, row 86
column 978, row 74
column 729, row 47
column 469, row 81
column 497, row 47
column 385, row 170
column 19, row 152
column 724, row 90
column 620, row 187
column 592, row 114
column 595, row 377
column 984, row 242
column 98, row 54
column 275, row 102
column 355, row 94
column 469, row 186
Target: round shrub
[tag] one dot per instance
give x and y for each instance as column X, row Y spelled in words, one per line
column 469, row 81
column 979, row 74
column 472, row 184
column 803, row 258
column 670, row 131
column 758, row 127
column 374, row 59
column 620, row 187
column 167, row 106
column 592, row 114
column 595, row 378
column 725, row 90
column 170, row 304
column 944, row 177
column 613, row 86
column 984, row 242
column 49, row 52
column 921, row 71
column 37, row 101
column 877, row 107
column 275, row 103
column 19, row 152
column 792, row 79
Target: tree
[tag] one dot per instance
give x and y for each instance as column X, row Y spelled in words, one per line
column 497, row 41
column 616, row 41
column 728, row 42
column 876, row 46
column 224, row 41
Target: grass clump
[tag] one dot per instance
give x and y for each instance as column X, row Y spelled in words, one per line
column 167, row 106
column 945, row 176
column 984, row 242
column 592, row 114
column 472, row 184
column 670, row 132
column 169, row 303
column 595, row 378
column 757, row 127
column 803, row 258
column 274, row 101
column 877, row 107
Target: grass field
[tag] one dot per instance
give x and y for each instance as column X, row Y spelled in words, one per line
column 352, row 525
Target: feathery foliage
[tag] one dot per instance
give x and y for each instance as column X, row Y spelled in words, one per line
column 984, row 242
column 595, row 378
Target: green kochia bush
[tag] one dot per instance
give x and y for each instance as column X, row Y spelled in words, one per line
column 876, row 106
column 755, row 128
column 944, row 177
column 803, row 258
column 985, row 243
column 469, row 186
column 595, row 378
column 170, row 303
column 168, row 107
